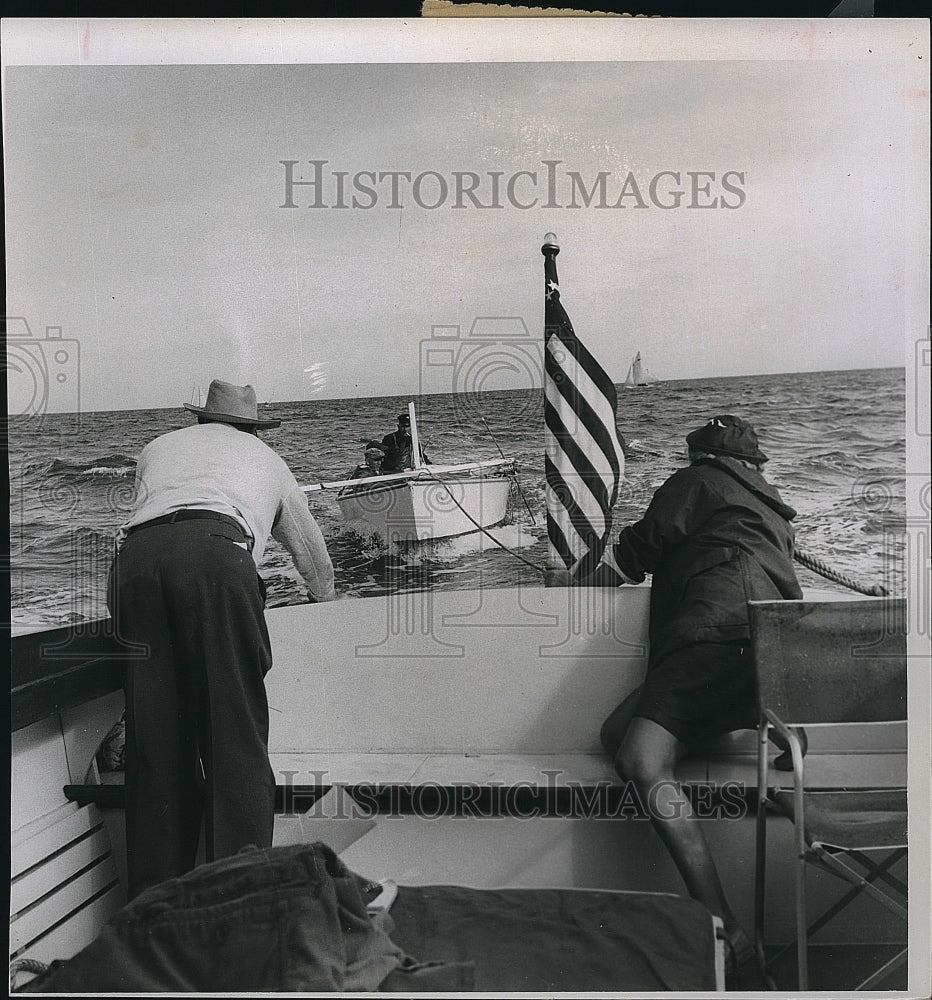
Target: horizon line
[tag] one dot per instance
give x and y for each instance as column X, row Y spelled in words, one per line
column 427, row 395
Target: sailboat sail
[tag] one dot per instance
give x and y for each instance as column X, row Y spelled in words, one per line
column 638, row 374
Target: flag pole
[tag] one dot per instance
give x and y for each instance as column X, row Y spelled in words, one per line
column 583, row 458
column 550, row 249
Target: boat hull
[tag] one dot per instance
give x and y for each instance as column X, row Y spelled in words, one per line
column 421, row 511
column 415, row 701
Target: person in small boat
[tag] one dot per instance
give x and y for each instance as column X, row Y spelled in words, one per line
column 373, row 457
column 184, row 591
column 399, row 447
column 715, row 535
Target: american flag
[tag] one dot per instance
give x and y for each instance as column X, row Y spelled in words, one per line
column 583, row 459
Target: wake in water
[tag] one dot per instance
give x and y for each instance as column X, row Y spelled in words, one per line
column 109, row 465
column 448, row 550
column 367, row 565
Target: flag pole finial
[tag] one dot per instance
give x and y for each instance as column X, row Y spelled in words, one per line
column 550, row 244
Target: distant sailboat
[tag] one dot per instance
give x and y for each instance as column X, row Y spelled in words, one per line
column 638, row 376
column 196, row 395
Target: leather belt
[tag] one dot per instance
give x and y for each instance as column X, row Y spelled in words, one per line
column 189, row 514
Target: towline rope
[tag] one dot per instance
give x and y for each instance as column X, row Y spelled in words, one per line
column 501, row 545
column 803, row 558
column 817, row 566
column 527, row 506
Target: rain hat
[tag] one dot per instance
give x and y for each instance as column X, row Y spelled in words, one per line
column 727, row 435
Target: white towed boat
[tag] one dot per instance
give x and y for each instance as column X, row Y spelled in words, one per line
column 434, row 501
column 427, row 502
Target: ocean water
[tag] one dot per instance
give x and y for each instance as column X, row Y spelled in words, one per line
column 835, row 439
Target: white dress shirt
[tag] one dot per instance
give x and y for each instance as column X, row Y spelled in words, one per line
column 214, row 466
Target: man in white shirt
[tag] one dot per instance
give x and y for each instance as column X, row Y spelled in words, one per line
column 185, row 584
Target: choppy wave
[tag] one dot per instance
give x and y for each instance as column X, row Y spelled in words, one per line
column 105, row 465
column 59, row 538
column 835, row 440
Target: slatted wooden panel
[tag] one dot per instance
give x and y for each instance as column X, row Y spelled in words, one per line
column 64, row 884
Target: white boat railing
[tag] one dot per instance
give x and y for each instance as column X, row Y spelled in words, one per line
column 425, row 472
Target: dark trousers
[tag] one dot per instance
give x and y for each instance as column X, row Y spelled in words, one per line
column 285, row 919
column 197, row 717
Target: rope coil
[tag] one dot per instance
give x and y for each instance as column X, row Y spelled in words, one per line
column 817, row 566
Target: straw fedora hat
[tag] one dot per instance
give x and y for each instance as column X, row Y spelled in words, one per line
column 232, row 404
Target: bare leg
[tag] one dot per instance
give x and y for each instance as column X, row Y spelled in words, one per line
column 648, row 756
column 615, row 727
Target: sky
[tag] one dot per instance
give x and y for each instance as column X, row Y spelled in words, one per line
column 145, row 217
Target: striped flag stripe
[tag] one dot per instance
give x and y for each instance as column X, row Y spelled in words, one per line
column 591, row 421
column 604, row 385
column 591, row 381
column 559, row 545
column 581, row 448
column 589, row 513
column 601, row 402
column 592, row 410
column 580, row 417
column 583, row 459
column 576, row 542
column 575, row 522
column 569, row 543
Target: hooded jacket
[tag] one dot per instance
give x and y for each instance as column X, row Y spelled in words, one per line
column 715, row 535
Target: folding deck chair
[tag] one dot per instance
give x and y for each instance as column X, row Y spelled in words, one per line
column 830, row 664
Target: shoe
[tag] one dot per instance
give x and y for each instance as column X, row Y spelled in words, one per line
column 784, row 761
column 385, row 898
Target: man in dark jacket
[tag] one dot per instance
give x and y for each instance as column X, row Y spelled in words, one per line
column 399, row 447
column 715, row 535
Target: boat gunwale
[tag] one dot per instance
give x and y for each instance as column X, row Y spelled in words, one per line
column 424, row 472
column 424, row 481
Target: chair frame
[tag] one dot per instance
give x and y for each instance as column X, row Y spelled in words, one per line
column 809, row 851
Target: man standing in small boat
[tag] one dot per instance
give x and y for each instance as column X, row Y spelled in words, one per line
column 399, row 447
column 184, row 584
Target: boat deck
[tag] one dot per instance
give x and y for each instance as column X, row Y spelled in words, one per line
column 465, row 728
